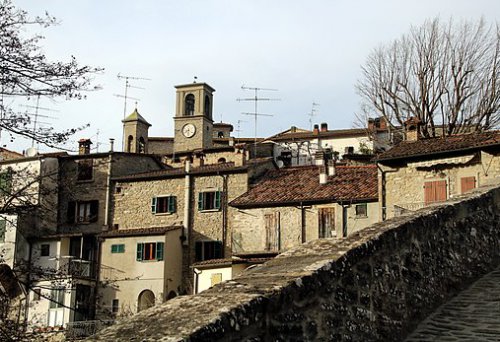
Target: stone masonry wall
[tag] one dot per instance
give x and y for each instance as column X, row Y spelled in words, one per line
column 375, row 285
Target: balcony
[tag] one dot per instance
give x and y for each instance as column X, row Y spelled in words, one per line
column 78, row 268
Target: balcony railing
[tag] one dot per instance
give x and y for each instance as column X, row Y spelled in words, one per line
column 82, row 329
column 77, row 267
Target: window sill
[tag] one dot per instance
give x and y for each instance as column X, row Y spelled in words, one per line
column 164, row 214
column 361, row 217
column 208, row 210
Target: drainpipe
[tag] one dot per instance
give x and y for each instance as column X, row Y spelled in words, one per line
column 108, row 189
column 383, row 193
column 196, row 280
column 187, row 204
column 344, row 219
column 303, row 221
column 224, row 213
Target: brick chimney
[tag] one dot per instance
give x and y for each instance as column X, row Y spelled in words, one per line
column 324, row 127
column 412, row 128
column 325, row 160
column 84, row 146
column 316, row 129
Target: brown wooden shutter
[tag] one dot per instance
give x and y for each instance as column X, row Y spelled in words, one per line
column 435, row 191
column 272, row 231
column 326, row 222
column 468, row 183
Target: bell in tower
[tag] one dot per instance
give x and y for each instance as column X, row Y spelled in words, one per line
column 193, row 117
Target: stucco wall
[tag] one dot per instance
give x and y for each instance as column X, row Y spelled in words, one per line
column 375, row 285
column 122, row 277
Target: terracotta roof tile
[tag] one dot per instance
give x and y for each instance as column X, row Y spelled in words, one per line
column 301, row 184
column 138, row 231
column 430, row 146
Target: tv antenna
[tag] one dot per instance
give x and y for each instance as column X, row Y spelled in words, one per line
column 238, row 126
column 36, row 115
column 127, row 86
column 256, row 114
column 312, row 113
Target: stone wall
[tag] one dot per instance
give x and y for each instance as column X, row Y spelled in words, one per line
column 374, row 285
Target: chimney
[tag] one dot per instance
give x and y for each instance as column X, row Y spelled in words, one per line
column 323, row 174
column 316, row 129
column 84, row 146
column 187, row 165
column 111, row 144
column 319, row 158
column 331, row 167
column 371, row 124
column 324, row 127
column 383, row 123
column 412, row 127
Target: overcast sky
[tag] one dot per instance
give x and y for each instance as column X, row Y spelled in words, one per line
column 311, row 51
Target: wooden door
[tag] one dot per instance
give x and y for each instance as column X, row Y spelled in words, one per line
column 326, row 224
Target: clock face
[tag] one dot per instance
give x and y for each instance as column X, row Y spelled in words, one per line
column 188, row 130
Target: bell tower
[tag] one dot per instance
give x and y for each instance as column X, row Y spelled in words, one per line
column 135, row 133
column 193, row 117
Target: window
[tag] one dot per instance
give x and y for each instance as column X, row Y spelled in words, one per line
column 215, row 279
column 130, row 141
column 326, row 218
column 220, row 134
column 85, row 170
column 3, row 225
column 57, row 298
column 44, row 250
column 207, row 250
column 142, row 145
column 361, row 210
column 150, row 251
column 221, row 160
column 119, row 248
column 189, row 105
column 163, row 204
column 82, row 211
column 6, row 182
column 209, row 200
column 115, row 305
column 37, row 294
column 468, row 183
column 207, row 106
column 435, row 191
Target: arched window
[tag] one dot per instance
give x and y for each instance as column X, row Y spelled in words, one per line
column 146, row 300
column 221, row 160
column 142, row 145
column 130, row 141
column 207, row 106
column 189, row 105
column 220, row 135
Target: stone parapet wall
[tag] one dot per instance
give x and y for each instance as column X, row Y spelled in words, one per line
column 375, row 285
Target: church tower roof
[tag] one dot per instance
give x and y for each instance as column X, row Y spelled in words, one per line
column 135, row 116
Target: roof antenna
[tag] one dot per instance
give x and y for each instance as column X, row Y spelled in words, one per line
column 36, row 115
column 312, row 114
column 256, row 114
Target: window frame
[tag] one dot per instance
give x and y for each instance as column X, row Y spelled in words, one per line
column 57, row 298
column 360, row 214
column 117, row 248
column 45, row 249
column 158, row 252
column 90, row 213
column 170, row 206
column 85, row 170
column 115, row 305
column 215, row 202
column 208, row 250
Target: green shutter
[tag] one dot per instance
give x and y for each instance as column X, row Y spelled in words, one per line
column 217, row 200
column 171, row 204
column 121, row 248
column 2, row 230
column 153, row 205
column 140, row 249
column 200, row 201
column 114, row 248
column 159, row 250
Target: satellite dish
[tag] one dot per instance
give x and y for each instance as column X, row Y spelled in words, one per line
column 280, row 163
column 31, row 152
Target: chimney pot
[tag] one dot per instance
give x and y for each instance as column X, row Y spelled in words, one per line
column 111, row 144
column 324, row 127
column 316, row 129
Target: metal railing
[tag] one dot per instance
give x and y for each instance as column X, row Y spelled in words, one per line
column 82, row 329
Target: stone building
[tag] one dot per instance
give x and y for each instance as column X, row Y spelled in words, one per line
column 418, row 171
column 293, row 205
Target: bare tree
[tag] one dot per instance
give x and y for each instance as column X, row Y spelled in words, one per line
column 440, row 73
column 25, row 72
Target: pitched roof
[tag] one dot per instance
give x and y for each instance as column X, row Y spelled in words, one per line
column 135, row 116
column 138, row 231
column 441, row 145
column 303, row 134
column 293, row 185
column 180, row 172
